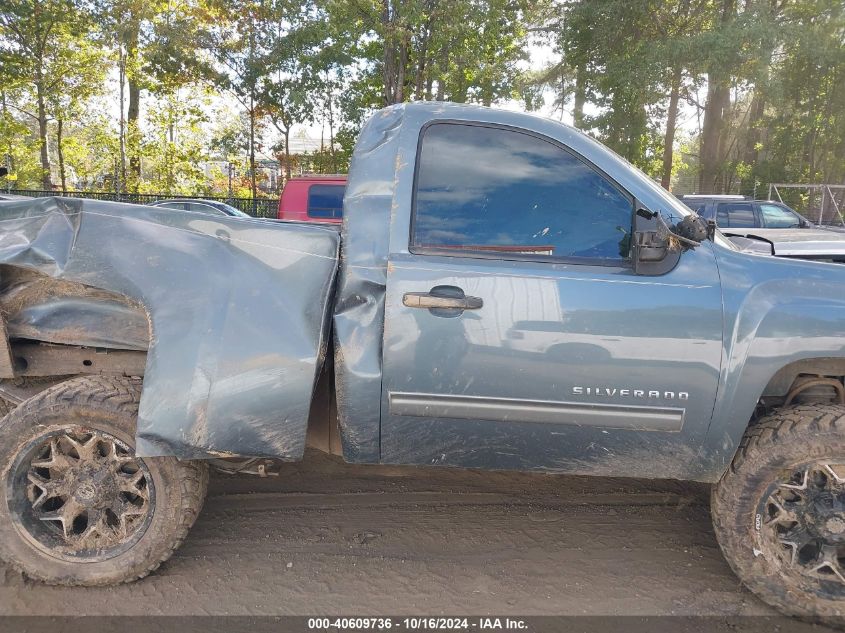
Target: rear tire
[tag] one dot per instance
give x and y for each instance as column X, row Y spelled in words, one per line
column 779, row 510
column 76, row 506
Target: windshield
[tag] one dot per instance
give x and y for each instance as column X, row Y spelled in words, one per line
column 233, row 211
column 777, row 217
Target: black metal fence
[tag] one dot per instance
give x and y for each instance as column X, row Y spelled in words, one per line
column 256, row 207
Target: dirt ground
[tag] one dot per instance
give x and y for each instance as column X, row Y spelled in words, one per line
column 330, row 538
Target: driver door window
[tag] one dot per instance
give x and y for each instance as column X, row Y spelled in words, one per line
column 498, row 192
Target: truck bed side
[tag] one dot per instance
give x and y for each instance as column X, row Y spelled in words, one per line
column 237, row 312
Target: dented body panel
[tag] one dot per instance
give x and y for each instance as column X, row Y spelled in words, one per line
column 557, row 366
column 235, row 308
column 64, row 312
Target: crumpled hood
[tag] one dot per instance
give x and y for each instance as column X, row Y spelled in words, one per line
column 814, row 243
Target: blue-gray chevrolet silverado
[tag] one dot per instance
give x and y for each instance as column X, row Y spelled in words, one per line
column 505, row 293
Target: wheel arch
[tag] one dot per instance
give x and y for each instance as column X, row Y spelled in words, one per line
column 53, row 329
column 784, row 379
column 38, row 307
column 781, row 319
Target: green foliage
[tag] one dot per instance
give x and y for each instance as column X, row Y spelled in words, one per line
column 19, row 151
column 174, row 146
column 91, row 151
column 445, row 50
column 212, row 83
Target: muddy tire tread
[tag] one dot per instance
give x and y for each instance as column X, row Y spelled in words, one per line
column 121, row 396
column 811, row 424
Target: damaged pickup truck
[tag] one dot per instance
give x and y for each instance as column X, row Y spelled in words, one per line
column 505, row 293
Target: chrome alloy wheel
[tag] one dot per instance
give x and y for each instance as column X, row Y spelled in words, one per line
column 80, row 494
column 802, row 523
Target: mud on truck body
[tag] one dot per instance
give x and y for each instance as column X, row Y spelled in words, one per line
column 505, row 293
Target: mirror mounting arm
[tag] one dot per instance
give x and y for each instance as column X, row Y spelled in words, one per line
column 657, row 250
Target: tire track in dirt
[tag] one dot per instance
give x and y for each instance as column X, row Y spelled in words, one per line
column 326, row 537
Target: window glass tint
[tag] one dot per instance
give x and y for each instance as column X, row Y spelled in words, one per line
column 172, row 205
column 735, row 215
column 493, row 190
column 325, row 201
column 199, row 207
column 776, row 217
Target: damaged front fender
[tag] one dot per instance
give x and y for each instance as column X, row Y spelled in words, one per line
column 237, row 311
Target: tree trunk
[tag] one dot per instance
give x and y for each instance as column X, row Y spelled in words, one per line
column 287, row 154
column 9, row 159
column 332, row 152
column 61, row 155
column 718, row 98
column 753, row 137
column 422, row 64
column 318, row 167
column 120, row 180
column 669, row 138
column 388, row 14
column 459, row 93
column 580, row 96
column 718, row 103
column 170, row 144
column 253, row 181
column 134, row 109
column 441, row 80
column 399, row 97
column 46, row 180
column 253, row 177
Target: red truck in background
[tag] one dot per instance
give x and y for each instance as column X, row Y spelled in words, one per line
column 313, row 198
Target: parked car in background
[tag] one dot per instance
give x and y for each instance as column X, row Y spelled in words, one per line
column 767, row 227
column 200, row 206
column 742, row 212
column 314, row 198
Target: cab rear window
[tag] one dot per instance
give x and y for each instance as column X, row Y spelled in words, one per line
column 736, row 215
column 325, row 201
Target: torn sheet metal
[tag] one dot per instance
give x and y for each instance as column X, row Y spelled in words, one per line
column 51, row 310
column 237, row 309
column 359, row 310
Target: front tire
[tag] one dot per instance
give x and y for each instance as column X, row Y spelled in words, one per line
column 76, row 506
column 779, row 510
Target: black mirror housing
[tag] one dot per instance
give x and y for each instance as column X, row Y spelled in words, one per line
column 653, row 252
column 692, row 227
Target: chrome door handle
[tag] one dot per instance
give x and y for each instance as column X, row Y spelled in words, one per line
column 428, row 300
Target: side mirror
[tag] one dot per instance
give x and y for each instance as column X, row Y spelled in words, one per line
column 657, row 247
column 653, row 252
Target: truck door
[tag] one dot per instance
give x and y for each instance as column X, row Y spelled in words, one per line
column 517, row 334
